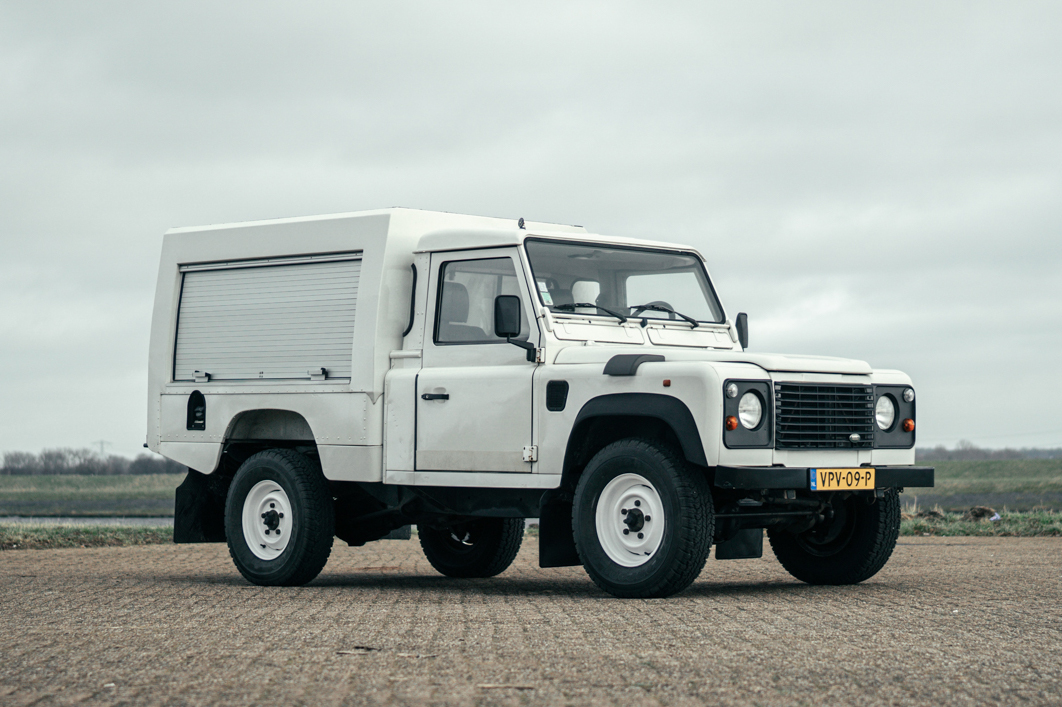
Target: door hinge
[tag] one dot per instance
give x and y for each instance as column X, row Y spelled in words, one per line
column 540, row 355
column 531, row 453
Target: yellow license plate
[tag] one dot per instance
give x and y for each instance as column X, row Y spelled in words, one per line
column 842, row 479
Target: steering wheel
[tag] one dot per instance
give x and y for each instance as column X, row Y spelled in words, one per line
column 662, row 303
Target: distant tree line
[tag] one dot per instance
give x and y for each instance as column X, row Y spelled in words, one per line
column 966, row 450
column 52, row 462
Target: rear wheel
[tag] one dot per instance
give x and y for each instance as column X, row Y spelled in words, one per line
column 847, row 549
column 477, row 547
column 279, row 519
column 643, row 520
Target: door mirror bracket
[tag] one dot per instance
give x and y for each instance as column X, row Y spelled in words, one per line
column 507, row 321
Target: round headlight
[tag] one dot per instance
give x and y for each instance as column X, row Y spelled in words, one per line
column 908, row 395
column 750, row 410
column 885, row 412
column 731, row 390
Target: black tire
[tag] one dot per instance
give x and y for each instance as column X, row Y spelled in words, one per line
column 310, row 528
column 688, row 517
column 848, row 550
column 475, row 548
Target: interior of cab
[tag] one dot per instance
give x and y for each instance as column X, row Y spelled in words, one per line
column 621, row 279
column 465, row 306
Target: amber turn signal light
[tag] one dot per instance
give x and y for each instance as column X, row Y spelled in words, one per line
column 731, row 423
column 908, row 425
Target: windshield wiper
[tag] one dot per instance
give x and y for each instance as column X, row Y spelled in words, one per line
column 638, row 309
column 572, row 307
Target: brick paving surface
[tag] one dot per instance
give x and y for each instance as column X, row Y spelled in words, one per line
column 948, row 621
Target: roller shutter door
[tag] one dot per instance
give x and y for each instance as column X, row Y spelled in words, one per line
column 277, row 320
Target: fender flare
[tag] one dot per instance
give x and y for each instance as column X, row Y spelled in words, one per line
column 669, row 409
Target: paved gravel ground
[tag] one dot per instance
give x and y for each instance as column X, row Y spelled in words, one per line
column 948, row 621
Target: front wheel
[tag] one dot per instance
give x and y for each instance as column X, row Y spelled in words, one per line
column 477, row 547
column 847, row 549
column 643, row 520
column 279, row 519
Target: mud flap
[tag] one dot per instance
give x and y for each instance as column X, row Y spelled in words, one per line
column 556, row 541
column 745, row 545
column 199, row 510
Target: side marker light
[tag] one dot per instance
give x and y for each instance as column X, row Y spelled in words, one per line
column 731, row 423
column 908, row 425
column 667, row 382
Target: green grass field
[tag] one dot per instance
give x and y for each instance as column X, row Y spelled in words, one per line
column 1017, row 485
column 1016, row 476
column 1020, row 484
column 147, row 495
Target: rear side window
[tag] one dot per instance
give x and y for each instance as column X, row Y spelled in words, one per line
column 465, row 305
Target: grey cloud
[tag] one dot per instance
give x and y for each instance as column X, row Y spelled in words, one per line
column 870, row 181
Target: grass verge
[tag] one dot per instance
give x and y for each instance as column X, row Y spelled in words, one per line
column 1031, row 524
column 44, row 537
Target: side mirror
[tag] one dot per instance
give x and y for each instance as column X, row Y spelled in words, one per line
column 742, row 324
column 506, row 316
column 507, row 320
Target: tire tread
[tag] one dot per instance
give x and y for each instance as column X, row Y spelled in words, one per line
column 885, row 532
column 494, row 558
column 318, row 526
column 697, row 523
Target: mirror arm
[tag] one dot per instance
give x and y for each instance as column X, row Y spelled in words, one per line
column 526, row 346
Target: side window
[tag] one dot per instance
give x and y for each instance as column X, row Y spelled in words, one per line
column 464, row 311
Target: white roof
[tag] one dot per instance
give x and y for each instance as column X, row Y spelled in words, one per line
column 456, row 231
column 447, row 219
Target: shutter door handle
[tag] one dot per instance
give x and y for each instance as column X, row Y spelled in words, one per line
column 435, row 396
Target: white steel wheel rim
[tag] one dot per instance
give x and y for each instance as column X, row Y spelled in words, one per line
column 619, row 506
column 267, row 520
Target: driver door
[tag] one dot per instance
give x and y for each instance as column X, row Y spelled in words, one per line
column 474, row 390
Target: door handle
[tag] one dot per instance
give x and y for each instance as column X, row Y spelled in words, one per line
column 435, row 396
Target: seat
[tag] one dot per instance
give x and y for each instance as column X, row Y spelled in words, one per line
column 453, row 316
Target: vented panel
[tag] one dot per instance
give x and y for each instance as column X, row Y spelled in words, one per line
column 809, row 416
column 268, row 322
column 556, row 395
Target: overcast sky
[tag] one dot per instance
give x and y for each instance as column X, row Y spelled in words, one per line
column 880, row 181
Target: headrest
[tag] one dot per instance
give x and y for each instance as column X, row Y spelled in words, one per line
column 562, row 296
column 455, row 303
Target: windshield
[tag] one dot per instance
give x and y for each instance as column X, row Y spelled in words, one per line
column 634, row 282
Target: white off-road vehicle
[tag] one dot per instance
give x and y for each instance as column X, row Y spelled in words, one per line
column 350, row 375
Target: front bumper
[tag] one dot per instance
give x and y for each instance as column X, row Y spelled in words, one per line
column 777, row 477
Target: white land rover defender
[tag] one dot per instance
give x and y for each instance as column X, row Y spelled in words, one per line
column 349, row 375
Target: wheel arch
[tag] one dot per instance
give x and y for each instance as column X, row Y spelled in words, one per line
column 256, row 429
column 607, row 418
column 269, row 424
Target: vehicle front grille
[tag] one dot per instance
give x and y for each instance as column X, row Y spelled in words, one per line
column 813, row 416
